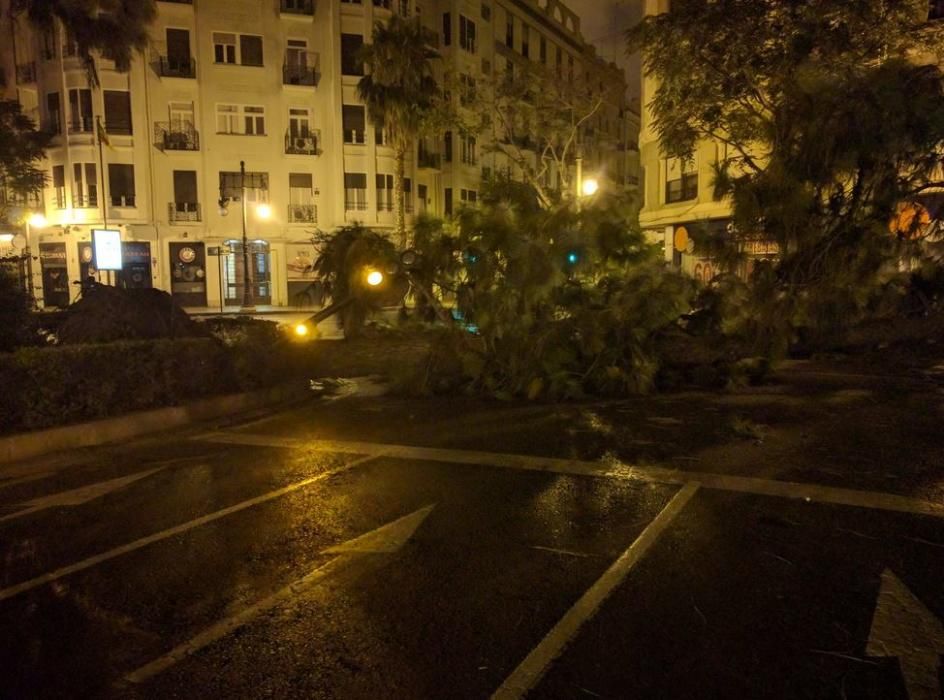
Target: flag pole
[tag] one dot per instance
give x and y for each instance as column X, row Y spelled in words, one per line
column 100, row 133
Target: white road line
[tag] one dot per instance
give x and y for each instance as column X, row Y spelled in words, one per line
column 225, row 627
column 530, row 671
column 723, row 482
column 170, row 532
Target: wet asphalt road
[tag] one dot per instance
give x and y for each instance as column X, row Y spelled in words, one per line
column 672, row 550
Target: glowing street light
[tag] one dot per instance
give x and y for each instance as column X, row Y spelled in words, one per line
column 375, row 278
column 589, row 187
column 302, row 330
column 264, row 212
column 37, row 221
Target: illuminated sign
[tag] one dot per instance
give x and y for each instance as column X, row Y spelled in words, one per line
column 106, row 244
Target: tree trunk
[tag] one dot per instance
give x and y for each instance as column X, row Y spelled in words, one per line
column 399, row 195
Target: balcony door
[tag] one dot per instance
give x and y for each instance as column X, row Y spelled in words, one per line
column 178, row 50
column 260, row 273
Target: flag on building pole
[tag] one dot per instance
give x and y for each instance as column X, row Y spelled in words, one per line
column 102, row 135
column 102, row 138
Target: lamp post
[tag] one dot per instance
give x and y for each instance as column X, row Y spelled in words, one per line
column 248, row 302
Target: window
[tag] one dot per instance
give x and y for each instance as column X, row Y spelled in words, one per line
column 299, row 122
column 935, row 9
column 185, row 207
column 525, row 39
column 384, row 192
column 250, row 50
column 59, row 185
column 300, row 190
column 468, row 196
column 466, row 34
column 447, row 147
column 178, row 54
column 407, row 195
column 224, row 47
column 296, row 54
column 254, row 120
column 84, row 185
column 447, row 29
column 121, row 184
column 350, row 49
column 681, row 180
column 542, row 48
column 257, row 186
column 380, row 136
column 354, row 123
column 240, row 119
column 421, row 198
column 118, row 112
column 53, row 114
column 486, row 12
column 80, row 110
column 181, row 116
column 467, row 89
column 467, row 149
column 510, row 32
column 355, row 191
column 447, row 201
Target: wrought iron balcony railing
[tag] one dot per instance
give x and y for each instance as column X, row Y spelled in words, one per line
column 81, row 125
column 176, row 67
column 429, row 160
column 303, row 145
column 85, row 201
column 183, row 211
column 297, row 7
column 172, row 136
column 26, row 73
column 303, row 213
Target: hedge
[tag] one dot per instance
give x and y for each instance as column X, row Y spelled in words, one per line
column 44, row 387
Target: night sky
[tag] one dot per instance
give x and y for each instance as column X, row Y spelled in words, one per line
column 602, row 23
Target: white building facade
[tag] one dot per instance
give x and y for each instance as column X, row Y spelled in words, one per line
column 272, row 84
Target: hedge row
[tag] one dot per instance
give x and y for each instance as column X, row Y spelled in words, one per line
column 43, row 387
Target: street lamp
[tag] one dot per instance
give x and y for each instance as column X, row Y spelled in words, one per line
column 263, row 212
column 589, row 187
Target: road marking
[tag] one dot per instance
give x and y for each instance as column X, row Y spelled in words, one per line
column 170, row 532
column 902, row 626
column 616, row 470
column 76, row 497
column 386, row 539
column 530, row 671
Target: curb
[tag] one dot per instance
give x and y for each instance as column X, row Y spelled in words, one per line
column 21, row 446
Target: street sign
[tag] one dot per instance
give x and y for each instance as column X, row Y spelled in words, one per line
column 106, row 246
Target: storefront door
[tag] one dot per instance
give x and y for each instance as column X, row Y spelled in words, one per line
column 188, row 273
column 52, row 259
column 260, row 272
column 135, row 265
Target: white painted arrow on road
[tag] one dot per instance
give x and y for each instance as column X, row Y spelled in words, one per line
column 904, row 627
column 386, row 539
column 76, row 497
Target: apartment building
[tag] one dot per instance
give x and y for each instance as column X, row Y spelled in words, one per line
column 155, row 152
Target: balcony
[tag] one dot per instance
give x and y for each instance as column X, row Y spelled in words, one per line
column 306, row 145
column 26, row 73
column 81, row 125
column 84, row 201
column 307, row 72
column 297, row 7
column 176, row 137
column 176, row 67
column 303, row 213
column 123, row 200
column 428, row 161
column 183, row 212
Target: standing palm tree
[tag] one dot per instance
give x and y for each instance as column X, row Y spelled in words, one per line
column 400, row 91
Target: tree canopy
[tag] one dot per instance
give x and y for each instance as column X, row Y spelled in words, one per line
column 831, row 114
column 113, row 28
column 21, row 150
column 400, row 91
